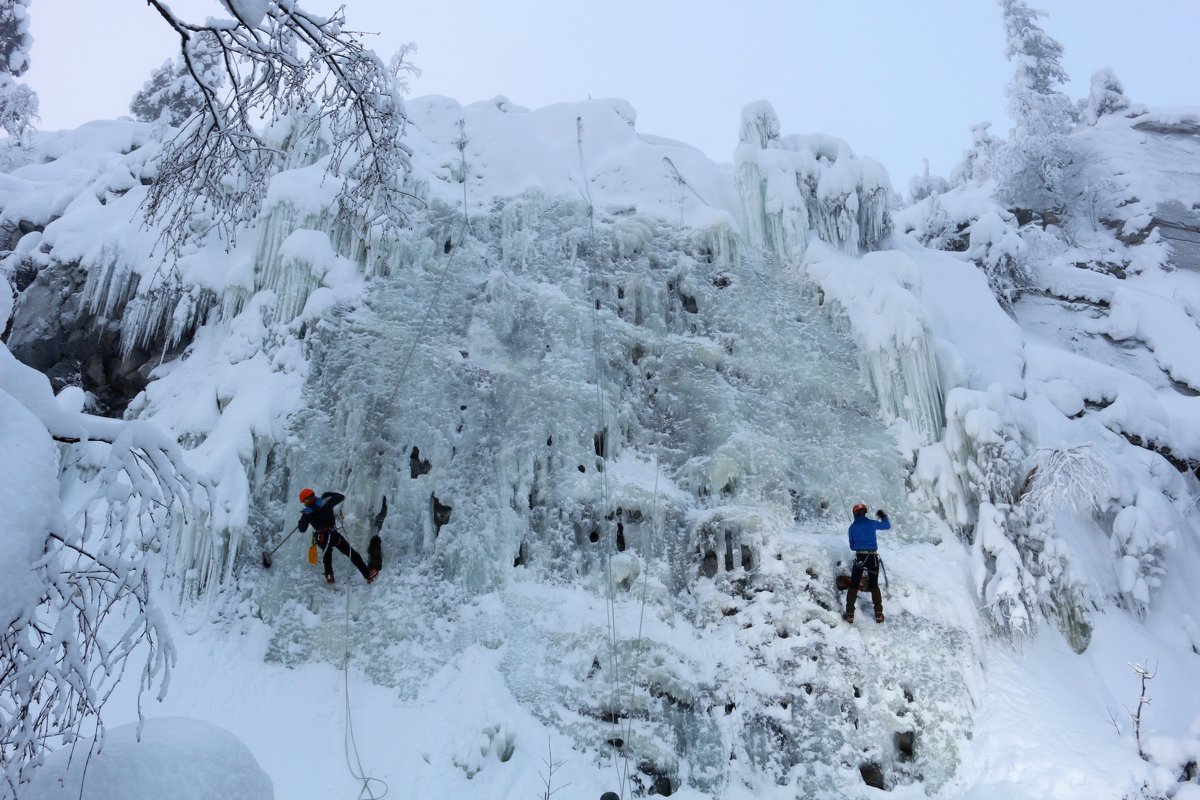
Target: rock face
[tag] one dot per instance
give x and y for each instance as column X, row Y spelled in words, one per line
column 53, row 333
column 1179, row 226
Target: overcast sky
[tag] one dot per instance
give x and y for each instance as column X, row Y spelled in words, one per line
column 900, row 80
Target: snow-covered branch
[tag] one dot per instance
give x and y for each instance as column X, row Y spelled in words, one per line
column 278, row 62
column 1068, row 478
column 76, row 601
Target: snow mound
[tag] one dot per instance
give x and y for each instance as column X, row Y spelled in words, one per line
column 184, row 759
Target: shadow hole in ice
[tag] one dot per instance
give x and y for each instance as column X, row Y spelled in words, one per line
column 441, row 513
column 418, row 466
column 872, row 775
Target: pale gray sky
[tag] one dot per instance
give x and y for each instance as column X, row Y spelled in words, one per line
column 900, row 80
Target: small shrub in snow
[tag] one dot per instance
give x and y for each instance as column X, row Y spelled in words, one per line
column 1107, row 96
column 996, row 246
column 1141, row 537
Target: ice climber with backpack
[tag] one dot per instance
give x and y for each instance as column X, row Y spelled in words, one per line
column 866, row 557
column 318, row 512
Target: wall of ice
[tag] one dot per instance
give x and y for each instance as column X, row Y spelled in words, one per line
column 575, row 368
column 568, row 366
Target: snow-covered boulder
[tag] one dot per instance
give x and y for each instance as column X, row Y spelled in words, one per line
column 183, row 759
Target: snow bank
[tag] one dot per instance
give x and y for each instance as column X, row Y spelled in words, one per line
column 29, row 475
column 184, row 759
column 924, row 323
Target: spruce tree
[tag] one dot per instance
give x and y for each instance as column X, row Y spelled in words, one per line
column 1107, row 96
column 172, row 94
column 1031, row 174
column 18, row 103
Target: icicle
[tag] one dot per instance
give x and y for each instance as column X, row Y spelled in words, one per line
column 722, row 244
column 908, row 386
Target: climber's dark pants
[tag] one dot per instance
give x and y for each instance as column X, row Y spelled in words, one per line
column 339, row 541
column 868, row 560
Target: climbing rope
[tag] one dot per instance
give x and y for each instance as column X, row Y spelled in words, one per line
column 455, row 242
column 350, row 741
column 637, row 647
column 614, row 672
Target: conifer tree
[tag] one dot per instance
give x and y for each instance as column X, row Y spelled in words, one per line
column 1031, row 174
column 171, row 94
column 1107, row 96
column 18, row 103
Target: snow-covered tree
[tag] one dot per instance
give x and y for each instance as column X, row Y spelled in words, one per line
column 996, row 247
column 1037, row 151
column 171, row 94
column 1107, row 96
column 1064, row 480
column 76, row 602
column 281, row 64
column 979, row 162
column 988, row 443
column 925, row 185
column 1143, row 534
column 1004, row 499
column 18, row 103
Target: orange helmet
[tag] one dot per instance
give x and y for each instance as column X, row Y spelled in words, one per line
column 307, row 493
column 859, row 509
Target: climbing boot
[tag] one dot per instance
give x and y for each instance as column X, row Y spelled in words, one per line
column 849, row 617
column 372, row 574
column 329, row 579
column 879, row 616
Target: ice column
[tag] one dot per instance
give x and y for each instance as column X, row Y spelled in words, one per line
column 794, row 187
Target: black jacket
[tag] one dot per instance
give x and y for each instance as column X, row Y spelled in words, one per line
column 320, row 515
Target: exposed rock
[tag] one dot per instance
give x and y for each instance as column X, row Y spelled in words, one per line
column 1179, row 227
column 53, row 333
column 1188, row 125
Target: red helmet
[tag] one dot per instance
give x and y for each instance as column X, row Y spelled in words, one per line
column 860, row 509
column 307, row 493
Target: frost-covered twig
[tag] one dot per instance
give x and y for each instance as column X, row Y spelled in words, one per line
column 1145, row 674
column 89, row 609
column 548, row 779
column 1070, row 478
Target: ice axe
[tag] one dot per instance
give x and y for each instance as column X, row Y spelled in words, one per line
column 267, row 554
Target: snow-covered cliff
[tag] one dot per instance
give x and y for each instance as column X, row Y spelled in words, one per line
column 621, row 400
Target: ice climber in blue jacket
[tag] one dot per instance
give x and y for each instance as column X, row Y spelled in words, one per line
column 866, row 556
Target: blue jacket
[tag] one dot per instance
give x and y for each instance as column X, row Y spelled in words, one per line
column 862, row 532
